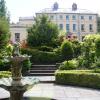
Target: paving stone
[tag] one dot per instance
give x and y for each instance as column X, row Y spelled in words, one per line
column 58, row 92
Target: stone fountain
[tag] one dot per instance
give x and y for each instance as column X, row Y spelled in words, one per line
column 17, row 85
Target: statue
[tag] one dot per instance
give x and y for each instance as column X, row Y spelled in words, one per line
column 16, row 49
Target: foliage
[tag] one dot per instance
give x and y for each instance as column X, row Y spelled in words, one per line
column 4, row 33
column 5, row 74
column 77, row 77
column 4, row 65
column 67, row 50
column 3, row 9
column 98, row 24
column 97, row 70
column 41, row 56
column 45, row 48
column 89, row 50
column 69, row 65
column 43, row 32
column 76, row 47
column 97, row 43
column 26, row 65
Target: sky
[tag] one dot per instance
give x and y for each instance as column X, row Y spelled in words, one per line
column 25, row 8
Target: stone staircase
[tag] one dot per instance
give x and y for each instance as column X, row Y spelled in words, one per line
column 42, row 70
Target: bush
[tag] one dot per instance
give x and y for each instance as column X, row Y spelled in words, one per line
column 79, row 78
column 5, row 74
column 42, row 57
column 4, row 65
column 68, row 65
column 97, row 70
column 45, row 48
column 67, row 50
column 26, row 66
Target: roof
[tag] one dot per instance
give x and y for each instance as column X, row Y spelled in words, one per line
column 64, row 10
column 26, row 18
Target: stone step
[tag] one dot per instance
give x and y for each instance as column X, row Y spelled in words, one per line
column 43, row 68
column 42, row 71
column 43, row 65
column 41, row 74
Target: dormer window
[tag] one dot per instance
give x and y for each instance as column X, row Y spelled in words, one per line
column 74, row 7
column 55, row 6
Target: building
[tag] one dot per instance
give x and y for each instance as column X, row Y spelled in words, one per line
column 78, row 22
column 74, row 21
column 19, row 30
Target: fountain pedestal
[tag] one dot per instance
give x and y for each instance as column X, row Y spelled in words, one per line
column 17, row 86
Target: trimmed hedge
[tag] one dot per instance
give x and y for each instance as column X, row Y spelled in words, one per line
column 5, row 74
column 86, row 78
column 41, row 56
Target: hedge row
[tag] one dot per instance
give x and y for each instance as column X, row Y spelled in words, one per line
column 78, row 78
column 41, row 56
column 5, row 74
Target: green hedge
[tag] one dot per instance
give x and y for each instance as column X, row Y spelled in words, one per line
column 41, row 56
column 79, row 78
column 5, row 74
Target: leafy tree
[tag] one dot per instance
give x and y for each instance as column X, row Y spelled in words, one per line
column 98, row 24
column 43, row 32
column 3, row 11
column 4, row 25
column 4, row 32
column 67, row 50
column 76, row 47
column 97, row 43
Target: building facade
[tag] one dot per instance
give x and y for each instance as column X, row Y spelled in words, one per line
column 74, row 21
column 78, row 22
column 19, row 31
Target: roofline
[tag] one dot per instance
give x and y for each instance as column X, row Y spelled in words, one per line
column 67, row 13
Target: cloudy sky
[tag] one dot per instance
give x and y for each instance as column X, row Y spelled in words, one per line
column 24, row 8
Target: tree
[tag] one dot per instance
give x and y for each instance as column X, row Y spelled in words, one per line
column 3, row 9
column 43, row 32
column 4, row 32
column 97, row 43
column 4, row 25
column 98, row 24
column 67, row 50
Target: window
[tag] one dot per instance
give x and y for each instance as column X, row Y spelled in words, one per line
column 17, row 37
column 67, row 27
column 90, row 17
column 74, row 27
column 74, row 17
column 67, row 17
column 51, row 17
column 61, row 26
column 82, row 28
column 91, row 28
column 82, row 17
column 61, row 17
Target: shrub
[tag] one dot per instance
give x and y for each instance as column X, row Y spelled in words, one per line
column 67, row 50
column 79, row 78
column 68, row 65
column 5, row 74
column 45, row 48
column 42, row 57
column 76, row 47
column 97, row 70
column 26, row 66
column 4, row 65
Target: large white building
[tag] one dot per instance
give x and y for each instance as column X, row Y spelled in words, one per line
column 19, row 30
column 78, row 22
